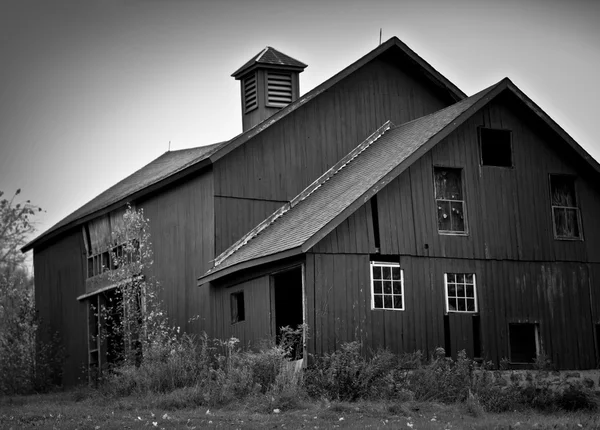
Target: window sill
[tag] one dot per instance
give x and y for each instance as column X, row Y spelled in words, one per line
column 387, row 309
column 569, row 239
column 453, row 233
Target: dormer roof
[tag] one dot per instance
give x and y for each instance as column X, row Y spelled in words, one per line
column 270, row 57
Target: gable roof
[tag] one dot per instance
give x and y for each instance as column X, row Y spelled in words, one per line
column 271, row 57
column 164, row 167
column 321, row 207
column 105, row 203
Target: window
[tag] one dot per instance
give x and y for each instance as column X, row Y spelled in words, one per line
column 524, row 342
column 387, row 286
column 449, row 200
column 279, row 89
column 565, row 213
column 250, row 98
column 496, row 148
column 461, row 294
column 237, row 307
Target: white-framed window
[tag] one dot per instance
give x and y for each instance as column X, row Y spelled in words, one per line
column 387, row 286
column 461, row 292
column 565, row 211
column 449, row 200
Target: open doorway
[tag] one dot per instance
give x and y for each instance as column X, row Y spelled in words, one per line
column 287, row 309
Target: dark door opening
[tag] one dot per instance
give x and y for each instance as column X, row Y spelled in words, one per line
column 288, row 309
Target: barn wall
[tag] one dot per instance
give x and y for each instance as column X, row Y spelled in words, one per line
column 257, row 302
column 59, row 280
column 181, row 228
column 553, row 295
column 282, row 160
column 508, row 209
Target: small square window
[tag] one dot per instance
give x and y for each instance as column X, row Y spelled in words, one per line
column 524, row 342
column 449, row 200
column 461, row 292
column 496, row 147
column 565, row 212
column 238, row 313
column 387, row 286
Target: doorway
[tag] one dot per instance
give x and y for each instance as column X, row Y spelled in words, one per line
column 288, row 310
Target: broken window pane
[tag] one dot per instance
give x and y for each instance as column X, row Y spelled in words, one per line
column 565, row 213
column 449, row 200
column 448, row 183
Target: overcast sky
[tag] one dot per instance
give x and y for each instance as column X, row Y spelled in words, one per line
column 91, row 91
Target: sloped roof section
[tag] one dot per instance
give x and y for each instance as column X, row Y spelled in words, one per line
column 272, row 57
column 345, row 184
column 161, row 168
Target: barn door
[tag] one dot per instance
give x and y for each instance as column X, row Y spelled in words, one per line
column 287, row 306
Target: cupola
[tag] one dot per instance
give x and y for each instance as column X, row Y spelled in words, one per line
column 269, row 81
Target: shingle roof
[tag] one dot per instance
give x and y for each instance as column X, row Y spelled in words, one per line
column 345, row 183
column 161, row 168
column 270, row 56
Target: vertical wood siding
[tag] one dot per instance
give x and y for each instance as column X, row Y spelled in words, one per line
column 508, row 209
column 282, row 160
column 257, row 303
column 59, row 279
column 556, row 296
column 181, row 229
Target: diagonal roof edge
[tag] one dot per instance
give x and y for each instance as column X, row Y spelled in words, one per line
column 304, row 194
column 485, row 97
column 456, row 93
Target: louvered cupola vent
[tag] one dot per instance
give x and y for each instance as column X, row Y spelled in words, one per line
column 250, row 95
column 279, row 89
column 269, row 82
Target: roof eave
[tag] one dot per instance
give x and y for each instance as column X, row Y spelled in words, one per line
column 221, row 273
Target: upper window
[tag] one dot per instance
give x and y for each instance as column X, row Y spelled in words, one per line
column 565, row 213
column 496, row 147
column 250, row 94
column 387, row 286
column 449, row 200
column 238, row 312
column 461, row 293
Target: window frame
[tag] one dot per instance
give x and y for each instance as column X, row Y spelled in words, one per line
column 446, row 297
column 402, row 291
column 464, row 232
column 565, row 208
column 512, row 152
column 234, row 297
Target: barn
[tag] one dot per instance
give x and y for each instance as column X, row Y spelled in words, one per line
column 383, row 206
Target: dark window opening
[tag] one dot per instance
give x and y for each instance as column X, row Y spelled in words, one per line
column 238, row 313
column 375, row 218
column 447, row 339
column 523, row 342
column 598, row 343
column 449, row 200
column 477, row 337
column 496, row 147
column 565, row 212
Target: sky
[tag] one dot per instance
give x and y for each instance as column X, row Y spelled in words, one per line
column 91, row 91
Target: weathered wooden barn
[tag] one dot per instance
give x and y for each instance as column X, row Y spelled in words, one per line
column 383, row 206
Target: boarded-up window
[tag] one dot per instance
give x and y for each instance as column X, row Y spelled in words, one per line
column 461, row 294
column 387, row 286
column 565, row 213
column 238, row 312
column 496, row 148
column 524, row 342
column 449, row 200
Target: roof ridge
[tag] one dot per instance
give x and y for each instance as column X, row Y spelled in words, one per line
column 303, row 194
column 257, row 59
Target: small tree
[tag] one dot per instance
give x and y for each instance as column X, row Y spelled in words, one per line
column 137, row 317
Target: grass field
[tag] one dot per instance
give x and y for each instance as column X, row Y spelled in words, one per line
column 82, row 409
